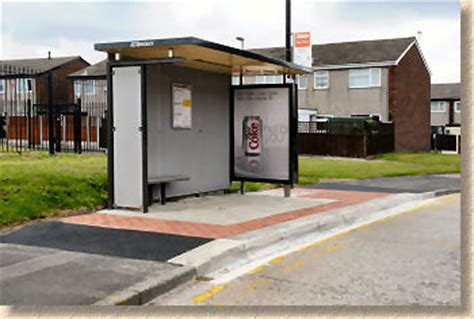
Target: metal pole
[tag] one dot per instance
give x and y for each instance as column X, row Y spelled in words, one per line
column 77, row 127
column 110, row 135
column 57, row 122
column 29, row 122
column 242, row 188
column 288, row 31
column 287, row 190
column 50, row 114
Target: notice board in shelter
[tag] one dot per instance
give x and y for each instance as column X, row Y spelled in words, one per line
column 182, row 106
column 263, row 129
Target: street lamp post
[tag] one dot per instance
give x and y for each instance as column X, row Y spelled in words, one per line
column 241, row 76
column 242, row 40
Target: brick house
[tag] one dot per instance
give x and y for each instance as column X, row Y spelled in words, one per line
column 388, row 79
column 23, row 80
column 60, row 68
column 445, row 104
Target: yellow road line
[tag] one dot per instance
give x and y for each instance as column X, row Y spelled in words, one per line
column 257, row 269
column 278, row 259
column 209, row 293
column 439, row 202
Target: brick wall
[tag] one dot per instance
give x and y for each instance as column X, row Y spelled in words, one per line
column 409, row 103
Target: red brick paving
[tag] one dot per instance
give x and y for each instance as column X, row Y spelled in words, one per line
column 343, row 198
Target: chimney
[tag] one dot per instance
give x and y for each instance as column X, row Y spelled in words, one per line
column 418, row 35
column 49, row 55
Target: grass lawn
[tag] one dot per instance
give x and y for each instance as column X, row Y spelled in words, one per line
column 35, row 185
column 312, row 169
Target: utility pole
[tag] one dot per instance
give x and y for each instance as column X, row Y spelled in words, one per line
column 288, row 31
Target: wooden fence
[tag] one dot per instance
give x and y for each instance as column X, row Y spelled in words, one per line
column 361, row 144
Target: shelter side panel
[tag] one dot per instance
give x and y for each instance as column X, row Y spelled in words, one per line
column 127, row 137
column 200, row 149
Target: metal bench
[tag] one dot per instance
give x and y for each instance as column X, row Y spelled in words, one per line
column 162, row 181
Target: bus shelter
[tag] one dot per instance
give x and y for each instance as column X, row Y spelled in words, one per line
column 176, row 125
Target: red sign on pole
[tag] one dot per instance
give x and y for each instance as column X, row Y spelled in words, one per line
column 302, row 39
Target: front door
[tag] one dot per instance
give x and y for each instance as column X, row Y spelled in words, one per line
column 127, row 119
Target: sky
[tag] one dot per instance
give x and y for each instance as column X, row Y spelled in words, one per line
column 31, row 29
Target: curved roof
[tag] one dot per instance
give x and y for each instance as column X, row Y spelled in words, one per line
column 201, row 54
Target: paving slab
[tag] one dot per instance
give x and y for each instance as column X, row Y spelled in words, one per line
column 54, row 277
column 227, row 209
column 104, row 241
column 239, row 214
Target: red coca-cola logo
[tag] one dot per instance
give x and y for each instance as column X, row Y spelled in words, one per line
column 254, row 141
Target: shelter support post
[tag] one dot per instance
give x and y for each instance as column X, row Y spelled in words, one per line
column 287, row 190
column 242, row 188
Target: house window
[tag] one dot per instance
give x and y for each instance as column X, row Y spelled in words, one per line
column 321, row 80
column 2, row 86
column 438, row 107
column 235, row 80
column 364, row 78
column 457, row 106
column 302, row 82
column 260, row 79
column 77, row 89
column 24, row 85
column 268, row 79
column 90, row 87
column 274, row 79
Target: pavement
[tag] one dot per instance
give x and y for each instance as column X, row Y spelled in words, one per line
column 401, row 184
column 125, row 257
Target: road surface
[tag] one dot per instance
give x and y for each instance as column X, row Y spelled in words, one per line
column 411, row 258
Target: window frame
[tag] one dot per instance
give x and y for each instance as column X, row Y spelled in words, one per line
column 301, row 87
column 235, row 80
column 315, row 76
column 77, row 89
column 92, row 82
column 443, row 103
column 456, row 109
column 21, row 85
column 371, row 83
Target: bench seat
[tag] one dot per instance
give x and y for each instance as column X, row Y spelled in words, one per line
column 162, row 181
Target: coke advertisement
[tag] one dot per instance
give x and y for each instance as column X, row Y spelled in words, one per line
column 261, row 133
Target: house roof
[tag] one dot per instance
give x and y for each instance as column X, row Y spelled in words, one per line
column 33, row 66
column 94, row 71
column 387, row 51
column 450, row 91
column 200, row 54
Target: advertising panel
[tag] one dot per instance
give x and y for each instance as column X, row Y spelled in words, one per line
column 182, row 106
column 262, row 133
